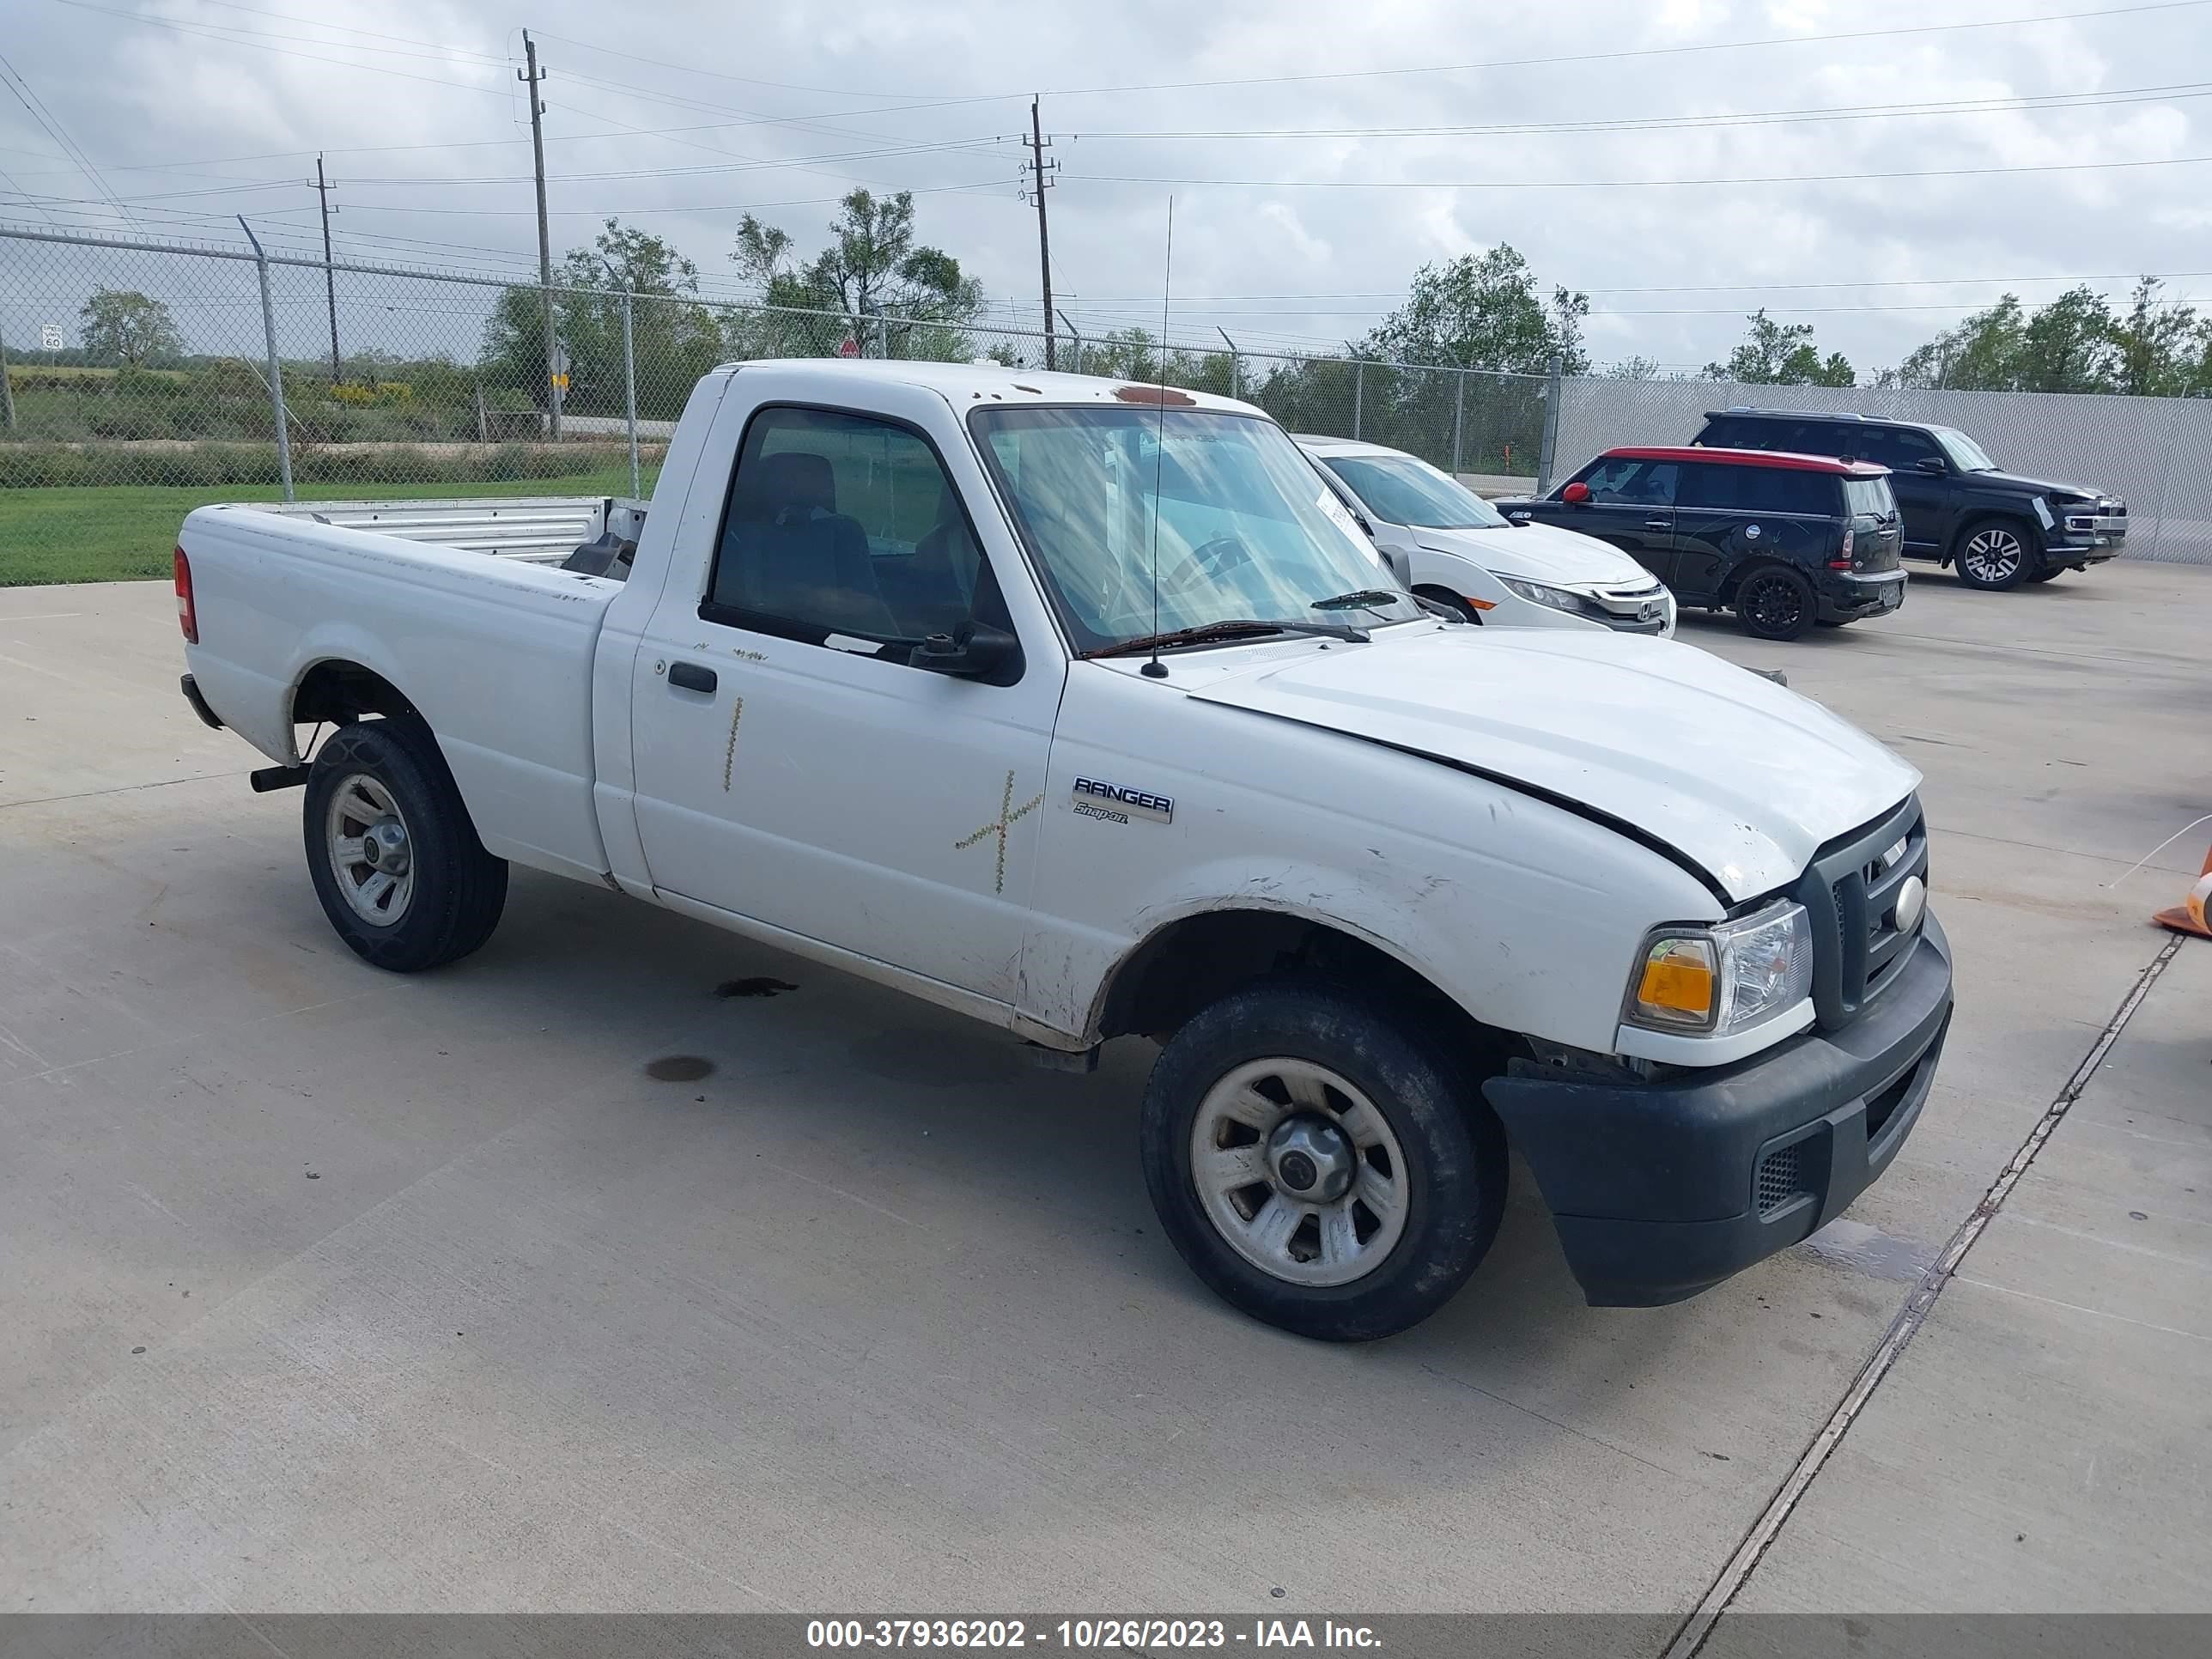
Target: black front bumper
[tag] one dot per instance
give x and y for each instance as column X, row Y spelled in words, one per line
column 1664, row 1189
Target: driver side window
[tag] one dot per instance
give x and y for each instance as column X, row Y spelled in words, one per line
column 841, row 529
column 1634, row 483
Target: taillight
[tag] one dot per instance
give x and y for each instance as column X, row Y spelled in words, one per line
column 1841, row 561
column 185, row 617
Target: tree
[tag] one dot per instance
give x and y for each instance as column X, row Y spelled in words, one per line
column 872, row 269
column 1483, row 311
column 2157, row 344
column 2067, row 345
column 121, row 327
column 1781, row 353
column 675, row 339
column 1982, row 354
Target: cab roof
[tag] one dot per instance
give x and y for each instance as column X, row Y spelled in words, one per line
column 965, row 384
column 1775, row 458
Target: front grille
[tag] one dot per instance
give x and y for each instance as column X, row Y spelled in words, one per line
column 1781, row 1178
column 1850, row 891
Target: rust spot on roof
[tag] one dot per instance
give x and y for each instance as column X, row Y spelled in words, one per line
column 1156, row 395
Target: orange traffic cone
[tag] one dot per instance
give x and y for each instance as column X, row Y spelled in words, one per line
column 2187, row 916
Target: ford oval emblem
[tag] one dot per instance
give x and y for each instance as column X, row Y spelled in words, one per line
column 1911, row 901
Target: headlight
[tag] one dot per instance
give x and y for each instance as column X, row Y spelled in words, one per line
column 1724, row 979
column 1555, row 598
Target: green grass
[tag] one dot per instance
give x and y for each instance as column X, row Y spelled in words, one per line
column 126, row 532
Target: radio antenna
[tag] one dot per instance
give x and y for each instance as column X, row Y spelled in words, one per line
column 1156, row 669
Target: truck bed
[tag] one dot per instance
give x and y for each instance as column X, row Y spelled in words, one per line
column 537, row 529
column 461, row 603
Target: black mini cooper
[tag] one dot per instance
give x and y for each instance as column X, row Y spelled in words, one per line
column 1784, row 541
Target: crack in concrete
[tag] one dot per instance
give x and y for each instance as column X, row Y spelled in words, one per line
column 1735, row 1573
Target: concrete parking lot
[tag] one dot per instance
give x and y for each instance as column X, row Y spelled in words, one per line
column 328, row 1291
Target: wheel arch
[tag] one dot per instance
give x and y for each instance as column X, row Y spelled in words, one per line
column 339, row 691
column 1748, row 567
column 1193, row 960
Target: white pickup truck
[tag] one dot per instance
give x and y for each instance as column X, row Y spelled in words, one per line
column 1082, row 708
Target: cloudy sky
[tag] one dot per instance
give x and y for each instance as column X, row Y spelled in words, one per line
column 1317, row 153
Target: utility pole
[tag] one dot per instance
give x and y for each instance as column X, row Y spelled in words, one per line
column 330, row 277
column 531, row 77
column 1040, row 180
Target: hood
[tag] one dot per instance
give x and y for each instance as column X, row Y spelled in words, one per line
column 1539, row 553
column 2032, row 486
column 1744, row 778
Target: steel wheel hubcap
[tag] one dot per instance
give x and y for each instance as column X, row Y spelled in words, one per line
column 1299, row 1172
column 1993, row 555
column 372, row 858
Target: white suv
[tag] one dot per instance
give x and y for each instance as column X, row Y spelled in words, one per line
column 1462, row 551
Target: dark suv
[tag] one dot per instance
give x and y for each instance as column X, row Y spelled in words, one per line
column 1999, row 529
column 1783, row 541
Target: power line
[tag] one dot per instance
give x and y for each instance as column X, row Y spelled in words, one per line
column 50, row 123
column 2025, row 102
column 1632, row 184
column 1585, row 57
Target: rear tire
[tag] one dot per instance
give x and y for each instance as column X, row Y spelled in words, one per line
column 1775, row 603
column 1994, row 555
column 1402, row 1178
column 392, row 852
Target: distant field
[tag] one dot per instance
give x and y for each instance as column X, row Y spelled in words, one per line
column 127, row 532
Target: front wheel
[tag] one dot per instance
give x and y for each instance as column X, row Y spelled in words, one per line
column 393, row 852
column 1775, row 603
column 1993, row 557
column 1317, row 1164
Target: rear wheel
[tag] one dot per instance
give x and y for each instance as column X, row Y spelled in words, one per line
column 393, row 855
column 1319, row 1166
column 1775, row 603
column 1994, row 555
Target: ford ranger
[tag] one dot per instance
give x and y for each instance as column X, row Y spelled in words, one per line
column 1084, row 709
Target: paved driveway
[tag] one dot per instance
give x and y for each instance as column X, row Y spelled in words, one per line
column 330, row 1290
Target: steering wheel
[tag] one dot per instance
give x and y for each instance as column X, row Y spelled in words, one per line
column 1217, row 558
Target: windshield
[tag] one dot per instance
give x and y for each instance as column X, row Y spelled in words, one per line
column 1247, row 531
column 1966, row 455
column 1399, row 489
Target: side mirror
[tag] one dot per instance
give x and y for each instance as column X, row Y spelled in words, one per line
column 1401, row 563
column 1575, row 494
column 972, row 651
column 1935, row 464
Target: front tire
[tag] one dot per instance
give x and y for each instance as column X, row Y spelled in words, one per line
column 1994, row 555
column 392, row 852
column 1775, row 603
column 1318, row 1164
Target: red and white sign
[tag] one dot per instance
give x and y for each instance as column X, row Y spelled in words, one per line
column 848, row 347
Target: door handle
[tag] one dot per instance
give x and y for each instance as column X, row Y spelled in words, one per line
column 692, row 676
column 1658, row 524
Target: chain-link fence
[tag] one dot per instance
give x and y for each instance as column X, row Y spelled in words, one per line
column 2152, row 452
column 139, row 379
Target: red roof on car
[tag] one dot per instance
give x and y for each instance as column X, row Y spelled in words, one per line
column 1781, row 458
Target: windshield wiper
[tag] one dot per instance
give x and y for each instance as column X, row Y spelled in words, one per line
column 1360, row 598
column 1226, row 630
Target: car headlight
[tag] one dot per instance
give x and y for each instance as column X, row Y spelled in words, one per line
column 1554, row 598
column 1719, row 980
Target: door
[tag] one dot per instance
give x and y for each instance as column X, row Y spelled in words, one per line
column 792, row 765
column 1733, row 514
column 1923, row 499
column 1631, row 505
